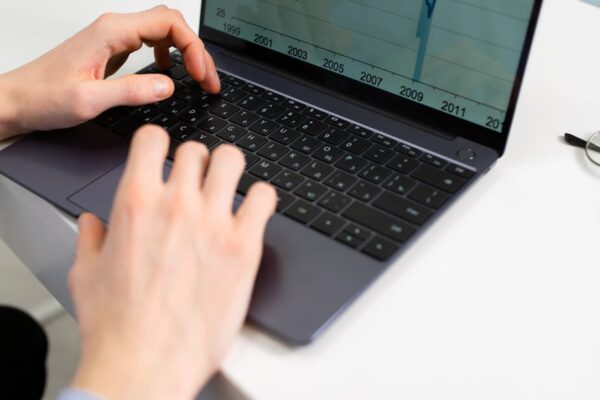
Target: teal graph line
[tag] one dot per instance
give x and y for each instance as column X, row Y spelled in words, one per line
column 423, row 30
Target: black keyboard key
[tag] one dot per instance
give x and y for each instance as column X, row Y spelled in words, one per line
column 205, row 102
column 460, row 171
column 244, row 118
column 351, row 163
column 375, row 173
column 291, row 119
column 306, row 144
column 212, row 124
column 364, row 191
column 284, row 135
column 438, row 178
column 224, row 109
column 176, row 72
column 233, row 94
column 316, row 170
column 356, row 145
column 231, row 133
column 245, row 182
column 402, row 163
column 380, row 249
column 379, row 154
column 250, row 158
column 264, row 126
column 349, row 239
column 408, row 150
column 232, row 80
column 273, row 97
column 340, row 181
column 379, row 222
column 358, row 231
column 208, row 140
column 302, row 212
column 265, row 170
column 192, row 115
column 311, row 127
column 311, row 191
column 147, row 114
column 429, row 196
column 189, row 93
column 328, row 153
column 402, row 208
column 113, row 116
column 172, row 106
column 273, row 151
column 271, row 110
column 384, row 140
column 294, row 160
column 433, row 160
column 333, row 136
column 127, row 127
column 360, row 131
column 399, row 183
column 252, row 88
column 251, row 102
column 165, row 121
column 188, row 80
column 328, row 224
column 334, row 201
column 293, row 105
column 287, row 180
column 315, row 114
column 177, row 57
column 252, row 142
column 337, row 122
column 283, row 200
column 182, row 132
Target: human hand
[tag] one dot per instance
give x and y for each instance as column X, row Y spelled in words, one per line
column 161, row 297
column 68, row 85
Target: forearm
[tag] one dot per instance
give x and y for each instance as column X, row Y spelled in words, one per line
column 9, row 111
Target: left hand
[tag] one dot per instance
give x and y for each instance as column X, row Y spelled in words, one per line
column 68, row 85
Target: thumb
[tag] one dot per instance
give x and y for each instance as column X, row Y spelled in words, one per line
column 130, row 90
column 91, row 237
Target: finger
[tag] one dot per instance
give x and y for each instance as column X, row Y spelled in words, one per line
column 191, row 159
column 158, row 25
column 212, row 84
column 224, row 172
column 162, row 57
column 147, row 154
column 131, row 90
column 256, row 210
column 90, row 240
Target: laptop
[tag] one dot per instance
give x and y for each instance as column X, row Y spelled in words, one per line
column 370, row 118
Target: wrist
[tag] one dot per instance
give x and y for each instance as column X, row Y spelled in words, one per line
column 117, row 375
column 10, row 98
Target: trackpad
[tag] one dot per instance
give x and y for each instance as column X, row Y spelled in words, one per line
column 98, row 196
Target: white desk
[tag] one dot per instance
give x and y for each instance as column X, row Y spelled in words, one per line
column 441, row 324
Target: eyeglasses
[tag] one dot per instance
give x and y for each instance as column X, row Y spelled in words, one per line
column 591, row 146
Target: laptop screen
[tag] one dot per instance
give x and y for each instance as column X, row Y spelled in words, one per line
column 460, row 57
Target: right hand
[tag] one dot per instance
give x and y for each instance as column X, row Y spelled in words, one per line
column 161, row 296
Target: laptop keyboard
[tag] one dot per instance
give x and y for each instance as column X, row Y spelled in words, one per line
column 363, row 189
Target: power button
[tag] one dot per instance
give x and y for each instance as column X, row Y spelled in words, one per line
column 466, row 154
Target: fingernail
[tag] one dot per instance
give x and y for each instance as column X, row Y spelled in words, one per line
column 160, row 87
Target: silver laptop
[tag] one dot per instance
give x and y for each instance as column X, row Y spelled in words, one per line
column 369, row 117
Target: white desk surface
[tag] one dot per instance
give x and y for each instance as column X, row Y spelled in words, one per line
column 501, row 299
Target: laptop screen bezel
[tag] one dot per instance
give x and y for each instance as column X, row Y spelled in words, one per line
column 372, row 97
